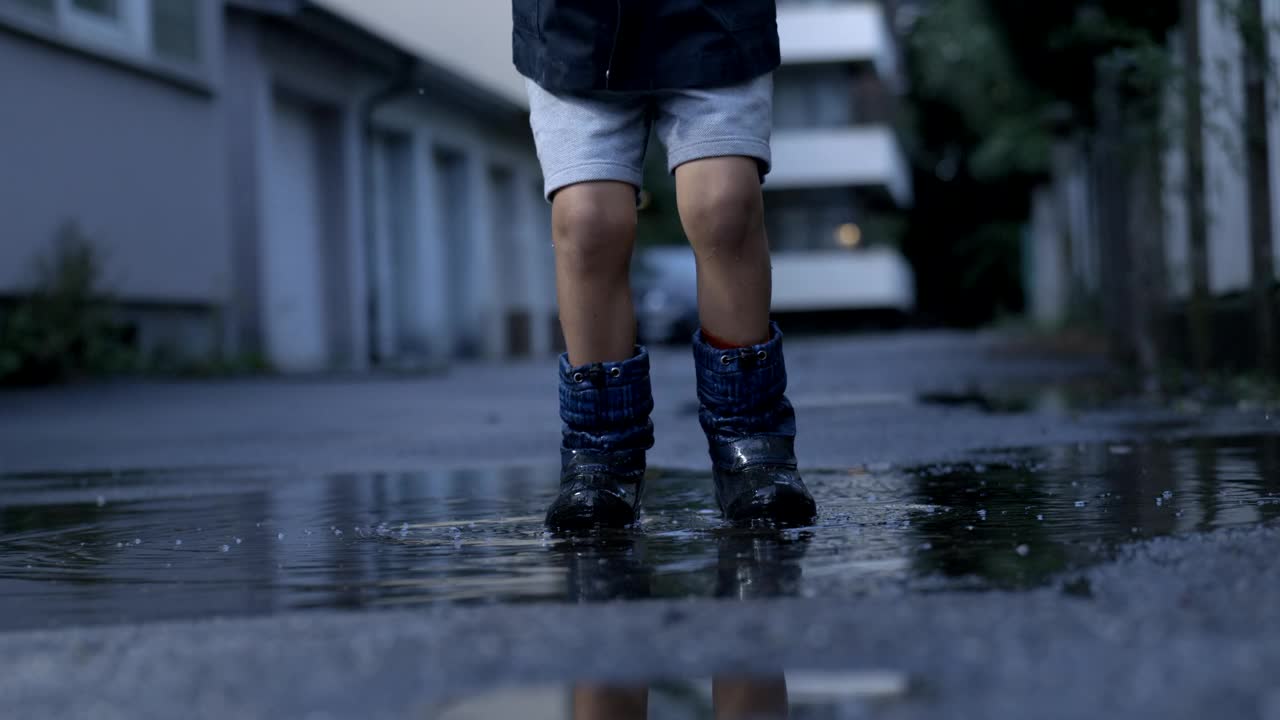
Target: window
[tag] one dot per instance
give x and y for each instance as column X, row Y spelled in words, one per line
column 39, row 7
column 105, row 8
column 175, row 30
column 810, row 219
column 164, row 30
column 109, row 23
column 813, row 96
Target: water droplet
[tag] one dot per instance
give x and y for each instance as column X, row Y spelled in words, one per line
column 225, row 548
column 238, row 541
column 280, row 536
column 982, row 514
column 926, row 546
column 1081, row 503
column 101, row 501
column 1040, row 518
column 119, row 544
column 1167, row 494
column 137, row 541
column 178, row 541
column 1023, row 550
column 969, row 528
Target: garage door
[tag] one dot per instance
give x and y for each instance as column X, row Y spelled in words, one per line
column 293, row 259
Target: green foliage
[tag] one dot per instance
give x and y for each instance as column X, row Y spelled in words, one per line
column 961, row 60
column 993, row 85
column 63, row 328
column 659, row 219
column 1019, row 73
column 210, row 367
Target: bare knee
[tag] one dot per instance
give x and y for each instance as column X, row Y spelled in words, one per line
column 723, row 217
column 594, row 226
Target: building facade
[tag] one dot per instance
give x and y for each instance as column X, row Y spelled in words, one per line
column 275, row 178
column 837, row 157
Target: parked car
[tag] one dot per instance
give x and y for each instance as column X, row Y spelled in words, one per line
column 665, row 285
column 815, row 289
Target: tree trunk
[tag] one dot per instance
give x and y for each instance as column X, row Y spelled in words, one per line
column 1147, row 262
column 1253, row 33
column 1200, row 330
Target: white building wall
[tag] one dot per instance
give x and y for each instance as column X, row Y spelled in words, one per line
column 840, row 157
column 493, row 259
column 1225, row 185
column 853, row 31
column 126, row 149
column 820, row 151
column 424, row 280
column 286, row 69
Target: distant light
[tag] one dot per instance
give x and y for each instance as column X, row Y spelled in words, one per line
column 848, row 235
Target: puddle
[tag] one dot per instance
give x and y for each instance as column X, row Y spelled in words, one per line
column 1085, row 394
column 795, row 695
column 107, row 548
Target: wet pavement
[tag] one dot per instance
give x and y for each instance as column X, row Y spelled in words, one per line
column 80, row 549
column 799, row 695
column 1000, row 536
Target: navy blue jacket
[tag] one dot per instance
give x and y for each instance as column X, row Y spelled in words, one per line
column 636, row 45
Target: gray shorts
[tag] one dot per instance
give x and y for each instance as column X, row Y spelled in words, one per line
column 603, row 136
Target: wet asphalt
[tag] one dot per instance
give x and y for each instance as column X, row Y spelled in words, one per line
column 958, row 559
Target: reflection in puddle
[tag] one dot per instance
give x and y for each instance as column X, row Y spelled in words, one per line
column 86, row 549
column 796, row 695
column 1080, row 394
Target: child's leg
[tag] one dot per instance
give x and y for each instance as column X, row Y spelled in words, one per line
column 717, row 143
column 750, row 698
column 723, row 214
column 594, row 230
column 603, row 702
column 592, row 152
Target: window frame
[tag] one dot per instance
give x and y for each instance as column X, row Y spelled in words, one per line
column 129, row 32
column 126, row 42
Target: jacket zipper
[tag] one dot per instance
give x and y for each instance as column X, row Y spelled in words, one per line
column 613, row 49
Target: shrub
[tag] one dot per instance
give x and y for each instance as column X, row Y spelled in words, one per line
column 64, row 327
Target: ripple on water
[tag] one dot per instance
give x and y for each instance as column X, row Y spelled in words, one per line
column 191, row 543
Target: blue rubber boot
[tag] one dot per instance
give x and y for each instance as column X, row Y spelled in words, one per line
column 751, row 431
column 605, row 409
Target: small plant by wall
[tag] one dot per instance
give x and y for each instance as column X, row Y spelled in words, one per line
column 63, row 328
